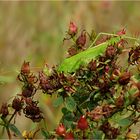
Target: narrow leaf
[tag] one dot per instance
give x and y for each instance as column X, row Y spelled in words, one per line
column 15, row 129
column 45, row 134
column 58, row 101
column 70, row 103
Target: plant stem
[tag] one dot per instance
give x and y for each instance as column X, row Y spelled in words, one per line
column 12, row 116
column 7, row 128
column 8, row 132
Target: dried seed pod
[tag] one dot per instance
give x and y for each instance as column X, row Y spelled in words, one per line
column 33, row 112
column 81, row 40
column 28, row 91
column 4, row 110
column 110, row 51
column 17, row 104
column 72, row 51
column 119, row 101
column 25, row 69
column 45, row 83
column 134, row 55
column 125, row 78
column 92, row 65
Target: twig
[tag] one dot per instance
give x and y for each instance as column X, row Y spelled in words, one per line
column 12, row 116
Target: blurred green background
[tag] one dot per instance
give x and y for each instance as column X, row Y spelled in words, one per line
column 34, row 31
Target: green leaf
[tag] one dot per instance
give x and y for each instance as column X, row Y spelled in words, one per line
column 58, row 101
column 45, row 134
column 74, row 62
column 69, row 117
column 15, row 129
column 68, row 124
column 137, row 77
column 65, row 111
column 70, row 103
column 97, row 134
column 124, row 122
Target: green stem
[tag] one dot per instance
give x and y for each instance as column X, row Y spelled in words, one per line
column 8, row 132
column 79, row 109
column 7, row 128
column 12, row 116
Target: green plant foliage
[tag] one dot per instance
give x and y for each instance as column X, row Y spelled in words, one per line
column 98, row 135
column 101, row 99
column 45, row 134
column 15, row 129
column 58, row 101
column 70, row 103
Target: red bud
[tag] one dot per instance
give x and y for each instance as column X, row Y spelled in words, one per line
column 25, row 69
column 122, row 32
column 69, row 136
column 72, row 29
column 60, row 130
column 82, row 123
column 81, row 40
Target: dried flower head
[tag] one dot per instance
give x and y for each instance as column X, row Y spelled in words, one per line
column 110, row 51
column 92, row 65
column 81, row 40
column 33, row 112
column 4, row 110
column 25, row 69
column 124, row 78
column 17, row 104
column 72, row 51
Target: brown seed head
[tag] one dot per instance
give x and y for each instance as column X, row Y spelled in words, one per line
column 4, row 110
column 25, row 69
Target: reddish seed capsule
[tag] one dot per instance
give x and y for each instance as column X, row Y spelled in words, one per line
column 72, row 51
column 92, row 65
column 17, row 104
column 4, row 110
column 25, row 69
column 69, row 136
column 110, row 51
column 72, row 29
column 81, row 40
column 107, row 69
column 122, row 32
column 60, row 130
column 82, row 123
column 124, row 78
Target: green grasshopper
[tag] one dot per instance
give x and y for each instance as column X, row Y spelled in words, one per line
column 71, row 64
